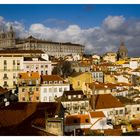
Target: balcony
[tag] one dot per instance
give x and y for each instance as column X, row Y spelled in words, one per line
column 31, row 92
column 5, row 78
column 5, row 85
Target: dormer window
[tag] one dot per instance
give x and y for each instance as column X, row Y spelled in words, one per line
column 69, row 96
column 74, row 96
column 30, row 82
column 79, row 96
column 60, row 82
column 50, row 82
column 55, row 82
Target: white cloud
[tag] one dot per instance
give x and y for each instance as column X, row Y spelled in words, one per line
column 113, row 22
column 96, row 39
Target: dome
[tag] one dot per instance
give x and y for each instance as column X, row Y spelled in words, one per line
column 122, row 48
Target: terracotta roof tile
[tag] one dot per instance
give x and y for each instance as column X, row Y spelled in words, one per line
column 3, row 91
column 112, row 132
column 29, row 75
column 97, row 114
column 104, row 101
column 101, row 85
column 51, row 78
column 77, row 119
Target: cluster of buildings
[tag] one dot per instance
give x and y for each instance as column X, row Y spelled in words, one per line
column 100, row 97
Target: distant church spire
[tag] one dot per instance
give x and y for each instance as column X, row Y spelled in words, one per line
column 122, row 51
column 11, row 28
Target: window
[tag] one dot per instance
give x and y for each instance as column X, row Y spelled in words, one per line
column 46, row 66
column 37, row 82
column 121, row 111
column 69, row 96
column 14, row 83
column 42, row 66
column 18, row 62
column 55, row 89
column 27, row 67
column 23, row 89
column 37, row 98
column 45, row 90
column 45, row 99
column 30, row 89
column 14, row 75
column 138, row 109
column 42, row 72
column 5, row 67
column 65, row 89
column 5, row 62
column 75, row 121
column 46, row 72
column 30, row 98
column 79, row 96
column 37, row 89
column 5, row 82
column 87, row 120
column 23, row 98
column 30, row 82
column 116, row 112
column 60, row 89
column 78, row 83
column 5, row 75
column 86, row 104
column 74, row 96
column 14, row 62
column 50, row 89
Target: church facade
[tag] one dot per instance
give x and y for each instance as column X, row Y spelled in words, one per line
column 57, row 49
column 7, row 39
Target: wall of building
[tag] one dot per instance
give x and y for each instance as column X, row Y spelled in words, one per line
column 50, row 92
column 10, row 66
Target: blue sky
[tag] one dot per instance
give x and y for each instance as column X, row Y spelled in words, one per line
column 100, row 28
column 84, row 15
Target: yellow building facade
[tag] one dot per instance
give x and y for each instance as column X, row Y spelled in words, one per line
column 10, row 66
column 109, row 78
column 77, row 80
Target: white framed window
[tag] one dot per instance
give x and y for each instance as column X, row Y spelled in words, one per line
column 69, row 96
column 60, row 89
column 50, row 89
column 45, row 99
column 55, row 89
column 65, row 89
column 45, row 90
column 79, row 96
column 74, row 96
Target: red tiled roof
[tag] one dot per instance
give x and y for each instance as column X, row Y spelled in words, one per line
column 51, row 78
column 77, row 119
column 112, row 132
column 97, row 114
column 104, row 101
column 40, row 122
column 16, row 113
column 135, row 122
column 3, row 91
column 101, row 85
column 29, row 75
